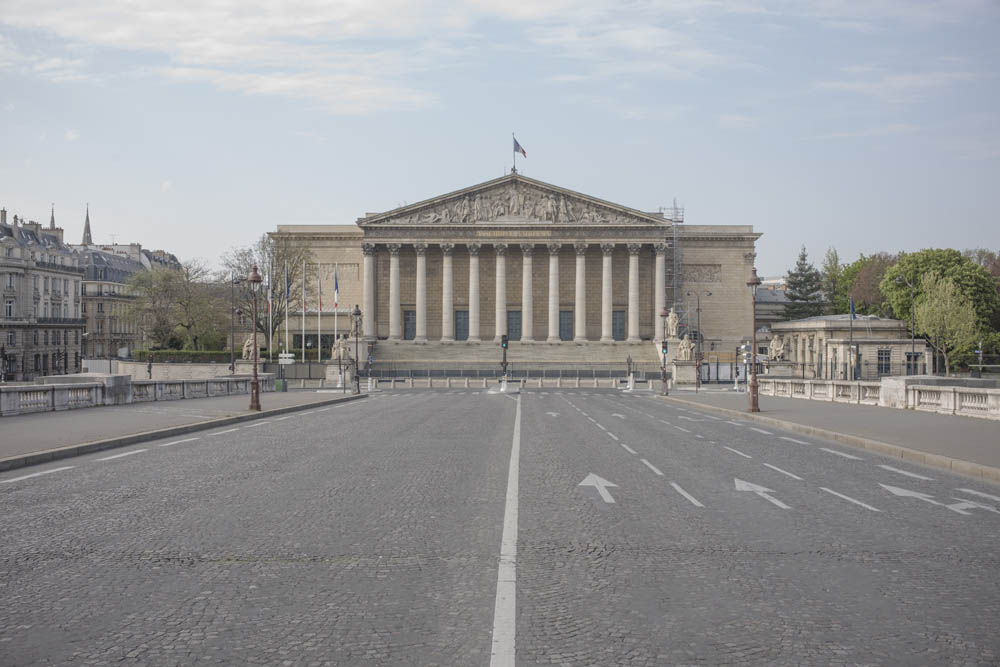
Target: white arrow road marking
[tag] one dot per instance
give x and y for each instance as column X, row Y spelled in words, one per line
column 177, row 442
column 35, row 474
column 798, row 442
column 846, row 456
column 627, row 448
column 692, row 499
column 926, row 497
column 118, row 456
column 761, row 491
column 908, row 474
column 600, row 484
column 849, row 499
column 736, row 451
column 615, row 414
column 760, row 430
column 652, row 467
column 980, row 494
column 552, row 414
column 783, row 472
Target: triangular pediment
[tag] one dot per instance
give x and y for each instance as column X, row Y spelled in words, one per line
column 513, row 199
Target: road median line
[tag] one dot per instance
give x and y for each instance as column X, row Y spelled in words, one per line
column 34, row 458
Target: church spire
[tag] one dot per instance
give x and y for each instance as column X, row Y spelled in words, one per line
column 52, row 220
column 86, row 229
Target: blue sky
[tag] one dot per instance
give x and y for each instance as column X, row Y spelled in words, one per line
column 194, row 126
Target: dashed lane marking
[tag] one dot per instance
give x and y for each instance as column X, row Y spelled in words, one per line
column 232, row 430
column 600, row 427
column 177, row 442
column 846, row 456
column 980, row 494
column 118, row 456
column 908, row 474
column 283, row 418
column 798, row 442
column 852, row 500
column 760, row 430
column 35, row 474
column 783, row 472
column 698, row 435
column 256, row 424
column 612, row 436
column 734, row 423
column 652, row 467
column 736, row 451
column 687, row 495
column 681, row 428
column 627, row 448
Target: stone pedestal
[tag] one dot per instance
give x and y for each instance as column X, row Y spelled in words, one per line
column 779, row 368
column 685, row 372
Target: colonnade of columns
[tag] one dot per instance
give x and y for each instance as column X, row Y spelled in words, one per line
column 527, row 315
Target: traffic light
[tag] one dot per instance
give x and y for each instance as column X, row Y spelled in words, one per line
column 663, row 347
column 503, row 341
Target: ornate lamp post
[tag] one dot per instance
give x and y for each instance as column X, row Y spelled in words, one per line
column 356, row 314
column 753, row 284
column 663, row 349
column 255, row 281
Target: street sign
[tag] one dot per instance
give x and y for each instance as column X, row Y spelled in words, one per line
column 286, row 358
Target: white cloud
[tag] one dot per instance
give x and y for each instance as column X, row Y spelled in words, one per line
column 166, row 186
column 71, row 135
column 899, row 88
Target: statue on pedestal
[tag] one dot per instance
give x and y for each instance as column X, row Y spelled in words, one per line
column 341, row 351
column 776, row 348
column 672, row 322
column 247, row 347
column 685, row 350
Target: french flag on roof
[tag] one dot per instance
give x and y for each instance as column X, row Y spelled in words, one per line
column 519, row 149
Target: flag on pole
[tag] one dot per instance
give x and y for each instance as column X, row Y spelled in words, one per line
column 336, row 289
column 319, row 288
column 853, row 315
column 288, row 284
column 519, row 149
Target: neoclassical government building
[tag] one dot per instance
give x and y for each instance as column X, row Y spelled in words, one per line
column 537, row 262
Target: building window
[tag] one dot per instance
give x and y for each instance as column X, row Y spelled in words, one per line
column 884, row 362
column 8, row 308
column 8, row 280
column 38, row 362
column 100, row 307
column 35, row 337
column 84, row 307
column 12, row 338
column 76, row 337
column 46, row 284
column 45, row 337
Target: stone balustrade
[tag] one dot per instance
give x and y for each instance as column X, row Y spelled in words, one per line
column 945, row 399
column 24, row 399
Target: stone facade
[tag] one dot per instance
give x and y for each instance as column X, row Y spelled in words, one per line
column 452, row 269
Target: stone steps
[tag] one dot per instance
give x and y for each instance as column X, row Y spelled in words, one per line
column 577, row 354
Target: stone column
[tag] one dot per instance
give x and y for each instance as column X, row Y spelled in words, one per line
column 606, row 250
column 633, row 292
column 421, row 334
column 660, row 288
column 395, row 310
column 554, row 249
column 527, row 313
column 501, row 289
column 447, row 294
column 473, row 291
column 580, row 309
column 368, row 297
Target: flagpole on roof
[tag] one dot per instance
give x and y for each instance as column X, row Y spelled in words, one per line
column 514, row 150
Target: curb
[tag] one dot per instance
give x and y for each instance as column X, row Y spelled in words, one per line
column 959, row 466
column 23, row 460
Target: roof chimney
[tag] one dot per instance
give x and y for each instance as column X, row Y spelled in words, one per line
column 3, row 216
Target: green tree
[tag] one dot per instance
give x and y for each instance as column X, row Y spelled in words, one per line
column 865, row 285
column 831, row 276
column 804, row 289
column 945, row 316
column 973, row 282
column 177, row 307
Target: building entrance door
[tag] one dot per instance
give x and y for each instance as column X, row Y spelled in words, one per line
column 461, row 325
column 565, row 325
column 514, row 324
column 409, row 324
column 618, row 324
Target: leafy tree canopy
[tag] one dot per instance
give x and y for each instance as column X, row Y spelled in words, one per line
column 945, row 316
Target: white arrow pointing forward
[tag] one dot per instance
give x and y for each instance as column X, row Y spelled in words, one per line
column 760, row 491
column 600, row 484
column 926, row 497
column 552, row 414
column 615, row 414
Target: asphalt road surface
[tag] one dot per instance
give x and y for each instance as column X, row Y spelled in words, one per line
column 462, row 527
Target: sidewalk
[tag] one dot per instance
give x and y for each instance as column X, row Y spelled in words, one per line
column 965, row 445
column 44, row 436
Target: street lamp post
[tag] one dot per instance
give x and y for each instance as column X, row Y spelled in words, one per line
column 255, row 281
column 356, row 314
column 663, row 350
column 753, row 284
column 697, row 365
column 233, row 282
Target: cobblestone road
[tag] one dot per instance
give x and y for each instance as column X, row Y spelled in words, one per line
column 369, row 533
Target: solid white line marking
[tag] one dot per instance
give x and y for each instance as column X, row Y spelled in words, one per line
column 846, row 456
column 283, row 418
column 663, row 421
column 681, row 428
column 908, row 474
column 325, row 409
column 627, row 448
column 760, row 430
column 255, row 424
column 849, row 499
column 975, row 493
column 613, row 436
column 177, row 442
column 735, row 423
column 39, row 474
column 118, row 456
column 232, row 430
column 307, row 413
column 687, row 495
column 798, row 442
column 652, row 467
column 783, row 472
column 736, row 451
column 505, row 609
